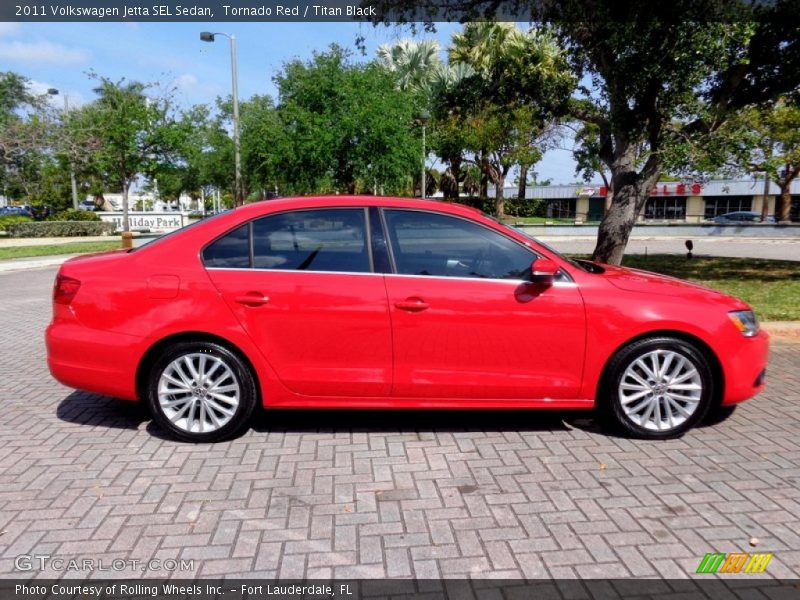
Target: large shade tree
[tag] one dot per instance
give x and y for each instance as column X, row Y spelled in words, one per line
column 346, row 127
column 661, row 73
column 133, row 129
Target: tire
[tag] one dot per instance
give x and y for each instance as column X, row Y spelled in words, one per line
column 643, row 399
column 201, row 392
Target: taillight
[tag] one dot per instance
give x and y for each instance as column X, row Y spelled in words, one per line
column 65, row 289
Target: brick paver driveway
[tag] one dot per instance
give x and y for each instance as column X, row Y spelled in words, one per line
column 354, row 494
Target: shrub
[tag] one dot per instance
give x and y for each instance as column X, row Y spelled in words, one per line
column 60, row 229
column 75, row 215
column 514, row 207
column 6, row 220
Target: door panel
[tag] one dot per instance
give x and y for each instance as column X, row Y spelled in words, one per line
column 466, row 324
column 486, row 339
column 325, row 334
column 308, row 298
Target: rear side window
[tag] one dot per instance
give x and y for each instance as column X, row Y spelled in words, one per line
column 230, row 251
column 312, row 240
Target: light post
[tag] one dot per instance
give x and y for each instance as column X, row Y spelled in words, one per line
column 422, row 118
column 207, row 36
column 72, row 180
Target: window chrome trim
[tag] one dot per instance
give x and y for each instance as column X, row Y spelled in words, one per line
column 401, row 275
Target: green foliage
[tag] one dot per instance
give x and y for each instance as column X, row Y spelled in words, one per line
column 338, row 127
column 75, row 215
column 6, row 220
column 131, row 128
column 514, row 207
column 60, row 229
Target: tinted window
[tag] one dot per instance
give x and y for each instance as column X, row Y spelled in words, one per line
column 432, row 244
column 312, row 240
column 231, row 250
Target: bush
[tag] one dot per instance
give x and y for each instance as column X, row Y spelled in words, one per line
column 75, row 215
column 60, row 229
column 514, row 207
column 6, row 220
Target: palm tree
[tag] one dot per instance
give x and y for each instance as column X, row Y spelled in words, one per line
column 414, row 62
column 508, row 58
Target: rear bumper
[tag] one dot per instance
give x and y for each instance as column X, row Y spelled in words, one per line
column 744, row 364
column 93, row 360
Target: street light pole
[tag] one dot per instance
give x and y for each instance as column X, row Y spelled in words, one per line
column 422, row 119
column 207, row 36
column 73, row 182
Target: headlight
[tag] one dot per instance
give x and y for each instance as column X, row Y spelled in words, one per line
column 745, row 321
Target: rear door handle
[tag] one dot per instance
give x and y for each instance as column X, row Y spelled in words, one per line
column 412, row 304
column 252, row 299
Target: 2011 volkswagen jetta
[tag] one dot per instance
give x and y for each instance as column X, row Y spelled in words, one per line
column 366, row 302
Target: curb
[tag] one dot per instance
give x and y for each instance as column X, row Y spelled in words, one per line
column 25, row 264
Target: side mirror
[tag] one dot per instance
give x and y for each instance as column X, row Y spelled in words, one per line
column 543, row 271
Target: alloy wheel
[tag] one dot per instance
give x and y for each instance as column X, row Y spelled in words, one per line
column 660, row 390
column 198, row 392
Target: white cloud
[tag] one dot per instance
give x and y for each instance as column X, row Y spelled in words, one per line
column 7, row 28
column 39, row 88
column 186, row 81
column 42, row 52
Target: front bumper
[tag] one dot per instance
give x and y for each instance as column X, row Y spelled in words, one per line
column 744, row 366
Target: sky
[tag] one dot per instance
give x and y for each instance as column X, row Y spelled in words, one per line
column 59, row 55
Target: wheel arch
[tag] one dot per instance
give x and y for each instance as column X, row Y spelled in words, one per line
column 152, row 353
column 713, row 361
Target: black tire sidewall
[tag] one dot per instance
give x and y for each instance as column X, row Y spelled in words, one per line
column 613, row 410
column 247, row 400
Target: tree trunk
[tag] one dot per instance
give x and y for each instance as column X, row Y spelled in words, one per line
column 631, row 191
column 499, row 197
column 784, row 209
column 523, row 181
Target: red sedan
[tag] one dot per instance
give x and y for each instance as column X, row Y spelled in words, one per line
column 365, row 302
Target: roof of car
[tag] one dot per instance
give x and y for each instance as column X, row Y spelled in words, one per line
column 338, row 201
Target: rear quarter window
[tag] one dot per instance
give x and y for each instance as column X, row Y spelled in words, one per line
column 230, row 251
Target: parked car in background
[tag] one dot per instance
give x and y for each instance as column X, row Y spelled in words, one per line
column 370, row 302
column 744, row 216
column 87, row 205
column 23, row 211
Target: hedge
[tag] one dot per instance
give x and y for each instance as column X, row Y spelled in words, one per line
column 75, row 215
column 60, row 229
column 514, row 207
column 7, row 220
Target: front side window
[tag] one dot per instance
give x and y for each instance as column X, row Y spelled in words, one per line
column 439, row 245
column 312, row 240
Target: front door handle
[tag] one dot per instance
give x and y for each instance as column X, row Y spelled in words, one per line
column 412, row 304
column 252, row 299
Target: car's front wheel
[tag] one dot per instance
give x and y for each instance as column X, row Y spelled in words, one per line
column 201, row 392
column 657, row 388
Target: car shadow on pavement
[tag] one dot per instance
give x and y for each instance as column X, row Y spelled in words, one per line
column 84, row 408
column 411, row 420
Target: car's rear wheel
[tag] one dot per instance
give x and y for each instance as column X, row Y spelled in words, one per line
column 201, row 392
column 657, row 388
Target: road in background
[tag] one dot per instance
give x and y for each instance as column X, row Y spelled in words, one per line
column 773, row 248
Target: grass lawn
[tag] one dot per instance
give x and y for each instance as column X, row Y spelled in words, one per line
column 51, row 249
column 771, row 287
column 537, row 220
